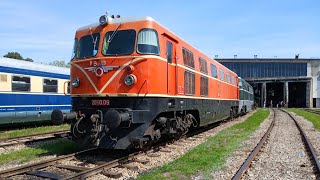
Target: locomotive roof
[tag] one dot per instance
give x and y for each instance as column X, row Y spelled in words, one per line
column 20, row 64
column 133, row 19
column 118, row 20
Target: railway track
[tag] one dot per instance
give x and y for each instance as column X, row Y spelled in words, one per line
column 77, row 164
column 257, row 149
column 313, row 111
column 12, row 141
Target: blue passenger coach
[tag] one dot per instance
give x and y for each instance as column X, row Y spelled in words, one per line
column 30, row 91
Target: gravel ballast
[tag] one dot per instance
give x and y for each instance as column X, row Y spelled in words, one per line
column 284, row 155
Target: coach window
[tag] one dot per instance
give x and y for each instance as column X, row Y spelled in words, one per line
column 203, row 86
column 203, row 66
column 119, row 42
column 213, row 71
column 233, row 80
column 169, row 52
column 189, row 83
column 221, row 75
column 88, row 46
column 188, row 58
column 50, row 86
column 228, row 78
column 20, row 83
column 148, row 42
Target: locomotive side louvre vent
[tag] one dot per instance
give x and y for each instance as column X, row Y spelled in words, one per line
column 3, row 78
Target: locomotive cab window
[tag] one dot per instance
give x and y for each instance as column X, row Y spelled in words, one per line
column 169, row 52
column 148, row 42
column 188, row 58
column 74, row 48
column 119, row 42
column 20, row 83
column 50, row 86
column 213, row 69
column 88, row 46
column 203, row 66
column 221, row 75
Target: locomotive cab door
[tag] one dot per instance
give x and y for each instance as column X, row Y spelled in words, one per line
column 171, row 65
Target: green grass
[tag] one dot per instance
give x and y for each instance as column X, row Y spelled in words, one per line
column 30, row 131
column 63, row 146
column 312, row 117
column 211, row 154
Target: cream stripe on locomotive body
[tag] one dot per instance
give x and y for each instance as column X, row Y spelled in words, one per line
column 131, row 85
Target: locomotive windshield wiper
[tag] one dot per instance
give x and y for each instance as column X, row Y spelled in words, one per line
column 112, row 36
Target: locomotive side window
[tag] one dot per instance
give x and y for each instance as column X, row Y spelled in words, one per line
column 221, row 75
column 188, row 58
column 148, row 42
column 213, row 71
column 21, row 83
column 169, row 52
column 119, row 42
column 88, row 46
column 228, row 78
column 203, row 86
column 50, row 86
column 203, row 66
column 189, row 83
column 233, row 80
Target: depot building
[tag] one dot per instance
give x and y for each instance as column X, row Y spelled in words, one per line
column 294, row 81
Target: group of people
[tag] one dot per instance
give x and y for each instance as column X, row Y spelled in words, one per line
column 280, row 104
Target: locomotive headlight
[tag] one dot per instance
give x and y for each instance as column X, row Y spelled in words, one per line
column 75, row 82
column 103, row 19
column 130, row 79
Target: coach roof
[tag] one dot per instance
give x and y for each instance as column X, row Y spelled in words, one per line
column 20, row 64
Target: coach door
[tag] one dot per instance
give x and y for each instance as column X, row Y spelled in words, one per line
column 171, row 68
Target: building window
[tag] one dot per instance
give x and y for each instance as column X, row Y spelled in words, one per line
column 203, row 86
column 169, row 52
column 21, row 83
column 221, row 75
column 213, row 71
column 188, row 58
column 50, row 86
column 203, row 66
column 228, row 78
column 233, row 80
column 189, row 83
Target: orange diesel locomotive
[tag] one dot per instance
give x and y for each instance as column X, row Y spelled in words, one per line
column 135, row 82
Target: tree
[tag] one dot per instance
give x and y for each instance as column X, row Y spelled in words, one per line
column 16, row 55
column 13, row 55
column 59, row 63
column 28, row 59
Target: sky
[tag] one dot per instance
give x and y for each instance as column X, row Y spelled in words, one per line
column 44, row 30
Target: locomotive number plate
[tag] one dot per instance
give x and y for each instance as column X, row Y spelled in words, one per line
column 98, row 102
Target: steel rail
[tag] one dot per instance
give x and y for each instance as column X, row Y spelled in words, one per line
column 307, row 143
column 32, row 138
column 32, row 135
column 25, row 168
column 255, row 151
